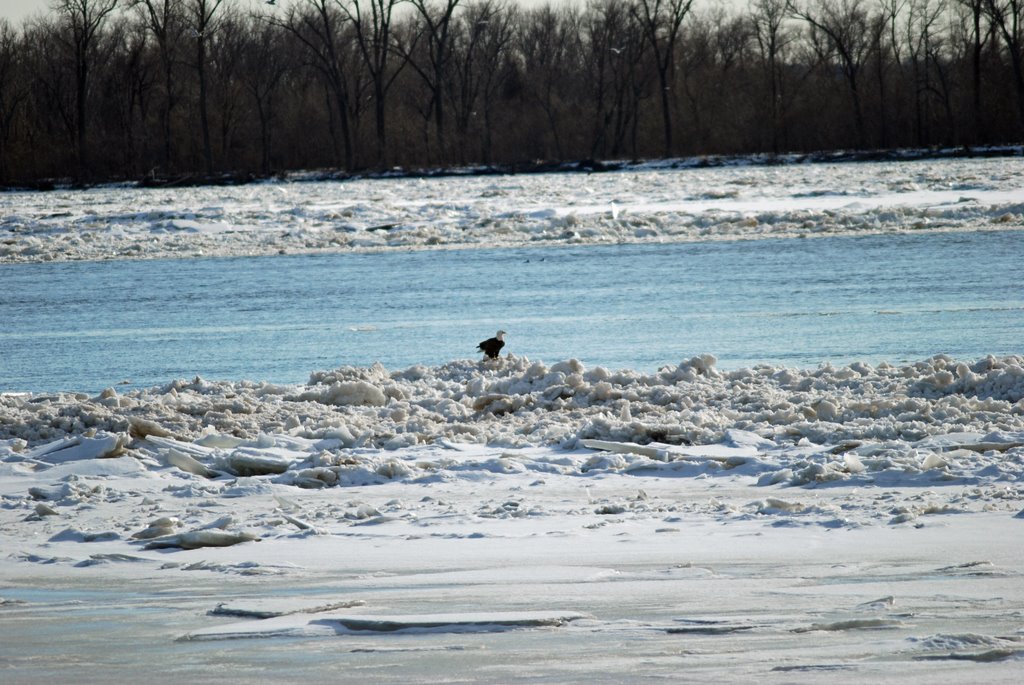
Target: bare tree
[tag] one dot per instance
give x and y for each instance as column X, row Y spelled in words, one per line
column 886, row 47
column 436, row 22
column 126, row 88
column 201, row 15
column 1007, row 18
column 13, row 89
column 718, row 83
column 976, row 9
column 225, row 51
column 372, row 22
column 51, row 104
column 631, row 85
column 494, row 61
column 845, row 25
column 318, row 26
column 165, row 20
column 661, row 21
column 197, row 86
column 480, row 65
column 922, row 20
column 545, row 49
column 614, row 50
column 768, row 18
column 83, row 20
column 265, row 62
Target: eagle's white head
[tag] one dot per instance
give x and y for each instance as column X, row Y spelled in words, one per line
column 500, row 335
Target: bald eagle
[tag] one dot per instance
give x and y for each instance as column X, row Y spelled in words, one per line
column 492, row 346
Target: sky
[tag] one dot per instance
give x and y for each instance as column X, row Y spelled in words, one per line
column 19, row 10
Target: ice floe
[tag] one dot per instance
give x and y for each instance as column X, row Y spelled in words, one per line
column 355, row 426
column 638, row 203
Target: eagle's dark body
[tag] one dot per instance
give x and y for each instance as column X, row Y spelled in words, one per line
column 492, row 346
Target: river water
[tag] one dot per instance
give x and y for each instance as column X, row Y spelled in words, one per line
column 797, row 302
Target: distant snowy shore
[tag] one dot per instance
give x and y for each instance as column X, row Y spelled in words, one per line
column 674, row 201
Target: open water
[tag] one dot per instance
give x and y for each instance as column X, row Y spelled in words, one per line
column 800, row 302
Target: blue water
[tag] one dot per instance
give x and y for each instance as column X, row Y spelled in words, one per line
column 799, row 302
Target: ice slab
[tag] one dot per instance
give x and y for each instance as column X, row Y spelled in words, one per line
column 320, row 625
column 272, row 607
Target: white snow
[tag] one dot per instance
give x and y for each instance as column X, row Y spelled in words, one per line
column 548, row 523
column 640, row 203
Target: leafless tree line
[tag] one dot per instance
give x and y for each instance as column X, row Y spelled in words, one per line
column 108, row 89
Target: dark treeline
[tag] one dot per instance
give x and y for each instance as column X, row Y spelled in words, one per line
column 110, row 89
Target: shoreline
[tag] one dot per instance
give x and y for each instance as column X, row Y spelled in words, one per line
column 191, row 180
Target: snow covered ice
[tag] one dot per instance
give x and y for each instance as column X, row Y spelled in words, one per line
column 490, row 512
column 641, row 203
column 519, row 519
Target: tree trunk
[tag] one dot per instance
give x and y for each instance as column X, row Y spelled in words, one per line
column 666, row 111
column 979, row 128
column 204, row 118
column 82, row 75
